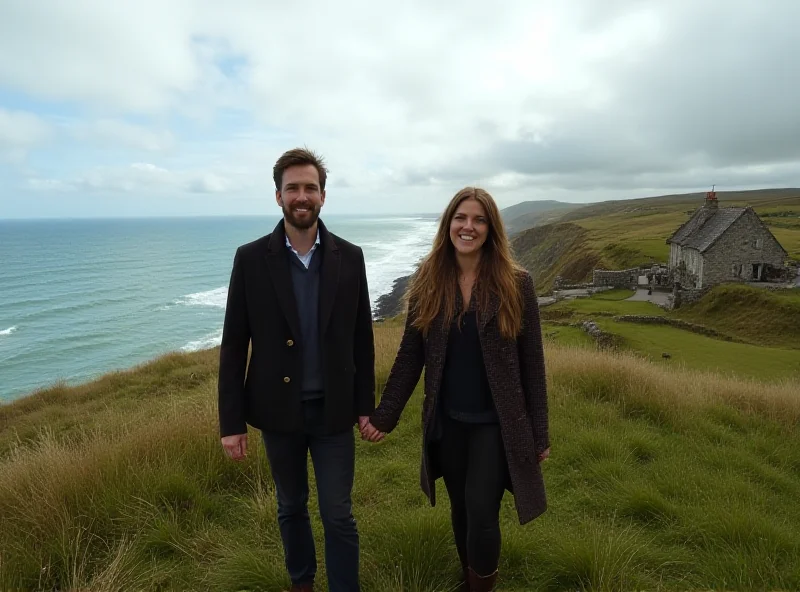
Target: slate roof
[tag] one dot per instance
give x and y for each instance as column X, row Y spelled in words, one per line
column 704, row 228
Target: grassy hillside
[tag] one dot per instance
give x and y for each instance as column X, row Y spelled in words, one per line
column 660, row 479
column 533, row 207
column 621, row 234
column 555, row 249
column 757, row 316
column 534, row 213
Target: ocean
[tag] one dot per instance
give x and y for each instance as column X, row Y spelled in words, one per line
column 79, row 298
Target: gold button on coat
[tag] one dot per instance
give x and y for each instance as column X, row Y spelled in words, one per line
column 286, row 379
column 289, row 342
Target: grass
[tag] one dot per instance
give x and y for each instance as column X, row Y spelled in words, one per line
column 661, row 479
column 566, row 335
column 615, row 294
column 699, row 352
column 597, row 305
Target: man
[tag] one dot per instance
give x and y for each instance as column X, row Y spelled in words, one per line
column 299, row 296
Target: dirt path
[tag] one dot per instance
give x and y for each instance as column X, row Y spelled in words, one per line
column 656, row 297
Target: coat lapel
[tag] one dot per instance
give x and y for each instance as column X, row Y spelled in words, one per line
column 329, row 277
column 278, row 264
column 492, row 307
column 436, row 351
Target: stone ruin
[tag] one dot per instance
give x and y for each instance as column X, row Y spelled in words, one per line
column 655, row 275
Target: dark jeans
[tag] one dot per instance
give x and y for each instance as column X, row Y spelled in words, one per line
column 475, row 471
column 334, row 466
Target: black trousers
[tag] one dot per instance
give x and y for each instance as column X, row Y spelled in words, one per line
column 475, row 471
column 333, row 457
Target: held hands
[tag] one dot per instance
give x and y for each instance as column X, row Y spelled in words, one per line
column 368, row 431
column 235, row 446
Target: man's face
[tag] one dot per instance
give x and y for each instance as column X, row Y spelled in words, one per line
column 301, row 198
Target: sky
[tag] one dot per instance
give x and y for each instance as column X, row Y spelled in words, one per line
column 154, row 108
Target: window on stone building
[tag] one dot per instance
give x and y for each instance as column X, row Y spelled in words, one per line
column 758, row 243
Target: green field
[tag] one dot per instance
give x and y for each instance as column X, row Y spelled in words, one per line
column 704, row 353
column 765, row 326
column 661, row 478
column 599, row 306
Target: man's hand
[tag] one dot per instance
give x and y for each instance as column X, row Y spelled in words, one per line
column 235, row 446
column 544, row 455
column 369, row 431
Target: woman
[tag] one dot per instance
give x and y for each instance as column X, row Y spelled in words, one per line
column 473, row 323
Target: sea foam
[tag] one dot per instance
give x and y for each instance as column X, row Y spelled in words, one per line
column 8, row 331
column 388, row 260
column 216, row 298
column 207, row 342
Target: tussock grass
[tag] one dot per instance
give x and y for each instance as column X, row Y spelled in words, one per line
column 661, row 479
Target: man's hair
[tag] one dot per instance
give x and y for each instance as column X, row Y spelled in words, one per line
column 295, row 157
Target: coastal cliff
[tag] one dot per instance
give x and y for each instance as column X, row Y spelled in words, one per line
column 391, row 304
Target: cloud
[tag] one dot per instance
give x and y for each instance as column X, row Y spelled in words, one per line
column 139, row 177
column 109, row 54
column 19, row 132
column 575, row 99
column 111, row 133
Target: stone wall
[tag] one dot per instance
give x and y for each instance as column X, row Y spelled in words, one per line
column 561, row 283
column 681, row 295
column 746, row 243
column 626, row 278
column 654, row 320
column 603, row 339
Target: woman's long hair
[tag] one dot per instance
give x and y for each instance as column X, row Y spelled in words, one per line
column 433, row 287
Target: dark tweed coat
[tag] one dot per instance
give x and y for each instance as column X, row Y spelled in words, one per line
column 515, row 369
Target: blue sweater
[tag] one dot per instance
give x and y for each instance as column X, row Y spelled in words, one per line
column 305, row 283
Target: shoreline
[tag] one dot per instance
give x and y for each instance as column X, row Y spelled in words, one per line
column 391, row 303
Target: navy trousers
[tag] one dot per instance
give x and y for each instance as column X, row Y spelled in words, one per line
column 333, row 457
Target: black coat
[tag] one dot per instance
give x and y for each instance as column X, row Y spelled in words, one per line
column 262, row 311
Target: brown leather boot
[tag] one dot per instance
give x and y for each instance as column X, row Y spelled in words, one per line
column 463, row 581
column 302, row 588
column 481, row 583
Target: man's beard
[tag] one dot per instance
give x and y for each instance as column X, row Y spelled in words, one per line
column 302, row 223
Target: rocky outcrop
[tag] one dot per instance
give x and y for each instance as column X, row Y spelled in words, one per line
column 391, row 304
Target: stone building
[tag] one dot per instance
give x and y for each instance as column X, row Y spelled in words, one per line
column 719, row 245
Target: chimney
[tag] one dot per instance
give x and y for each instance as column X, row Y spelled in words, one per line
column 711, row 199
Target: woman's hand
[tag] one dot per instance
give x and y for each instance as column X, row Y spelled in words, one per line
column 369, row 432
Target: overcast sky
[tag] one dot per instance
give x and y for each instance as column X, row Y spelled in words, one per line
column 122, row 108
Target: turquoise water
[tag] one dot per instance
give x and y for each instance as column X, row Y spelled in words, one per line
column 81, row 297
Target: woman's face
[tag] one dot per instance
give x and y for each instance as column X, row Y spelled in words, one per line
column 469, row 227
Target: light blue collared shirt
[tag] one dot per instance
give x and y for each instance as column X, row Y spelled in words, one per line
column 304, row 259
